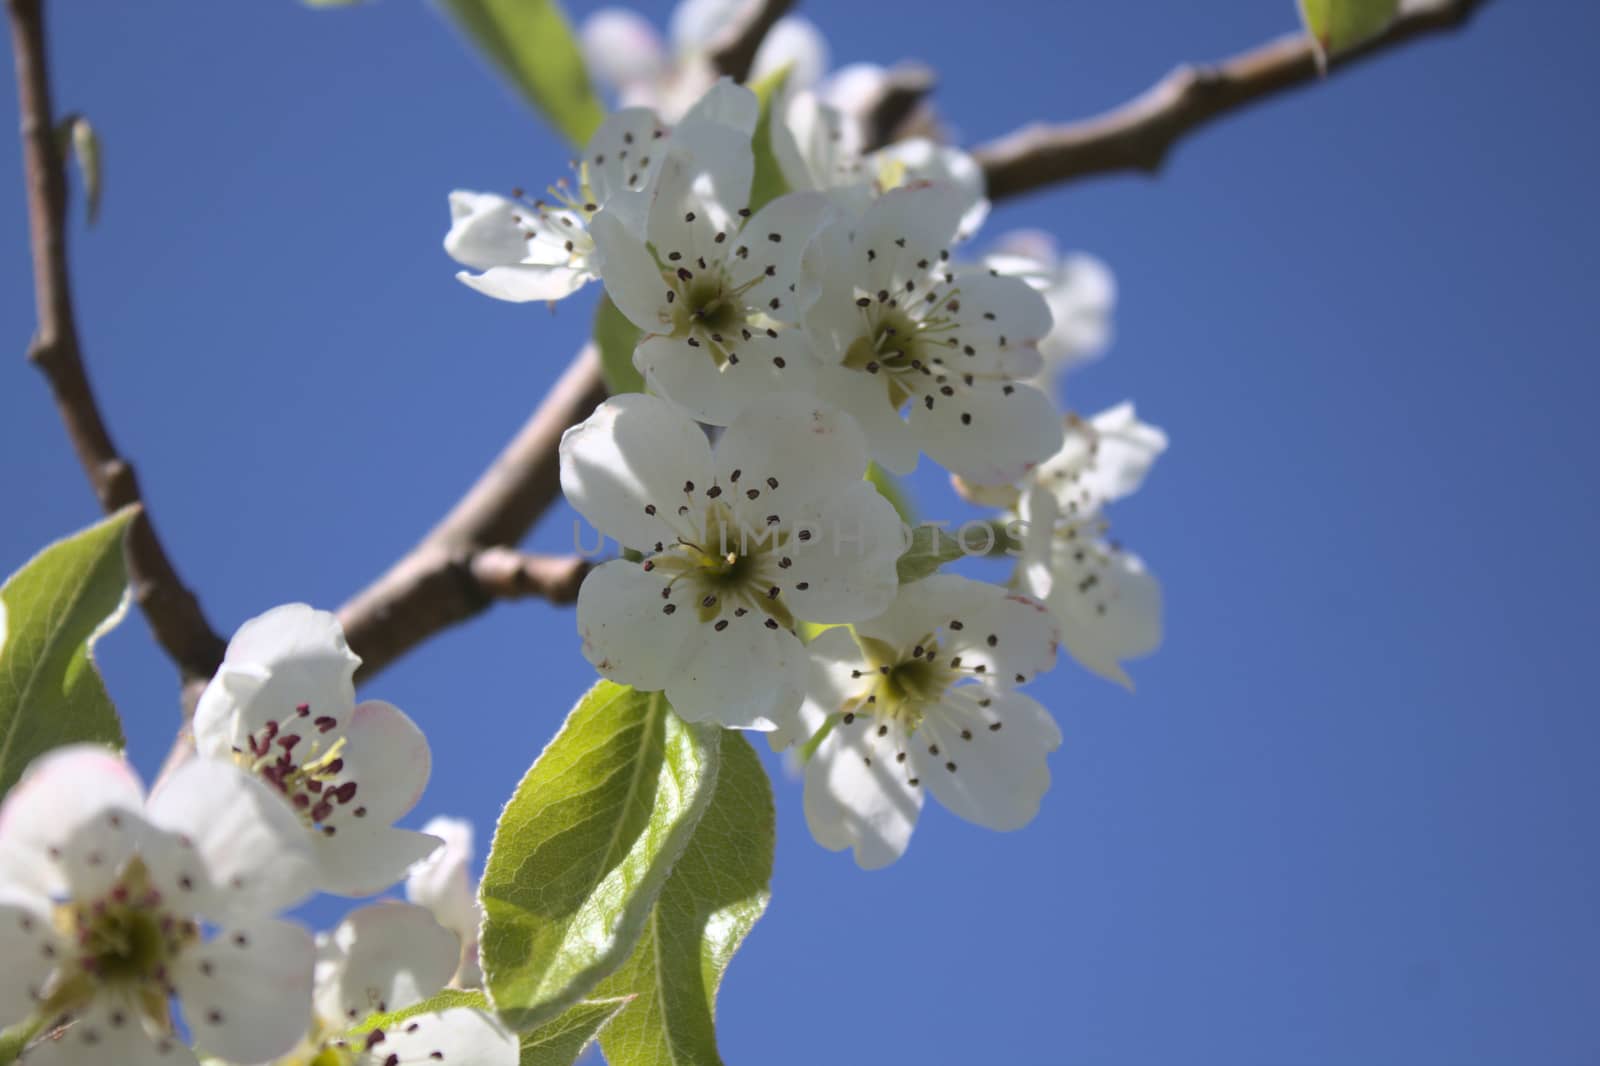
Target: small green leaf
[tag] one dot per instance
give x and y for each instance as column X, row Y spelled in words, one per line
column 445, row 999
column 931, row 547
column 75, row 137
column 891, row 489
column 616, row 337
column 51, row 613
column 532, row 45
column 768, row 183
column 584, row 846
column 713, row 898
column 563, row 1041
column 1339, row 25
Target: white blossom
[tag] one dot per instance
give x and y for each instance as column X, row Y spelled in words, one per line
column 774, row 527
column 283, row 706
column 1079, row 288
column 715, row 290
column 383, row 958
column 924, row 698
column 541, row 249
column 112, row 906
column 444, row 884
column 1107, row 603
column 626, row 54
column 898, row 326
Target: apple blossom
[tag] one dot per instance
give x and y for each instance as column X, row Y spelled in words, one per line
column 742, row 543
column 714, row 290
column 112, row 906
column 1107, row 603
column 923, row 698
column 1079, row 288
column 897, row 325
column 283, row 706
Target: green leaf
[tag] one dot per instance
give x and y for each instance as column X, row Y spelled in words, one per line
column 931, row 547
column 715, row 894
column 1339, row 25
column 585, row 845
column 891, row 489
column 768, row 183
column 76, row 138
column 561, row 1042
column 532, row 45
column 51, row 613
column 442, row 1000
column 616, row 337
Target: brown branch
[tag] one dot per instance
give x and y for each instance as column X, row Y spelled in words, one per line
column 172, row 610
column 733, row 51
column 904, row 88
column 442, row 581
column 508, row 574
column 1139, row 134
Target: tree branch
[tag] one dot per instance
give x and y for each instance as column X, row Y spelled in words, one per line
column 1139, row 134
column 734, row 50
column 445, row 578
column 904, row 88
column 173, row 612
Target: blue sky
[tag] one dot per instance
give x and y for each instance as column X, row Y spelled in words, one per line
column 1349, row 814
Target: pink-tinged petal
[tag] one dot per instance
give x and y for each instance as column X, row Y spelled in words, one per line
column 363, row 860
column 625, row 467
column 717, row 684
column 628, row 633
column 231, row 847
column 246, row 993
column 859, row 794
column 383, row 957
column 985, row 754
column 107, row 1034
column 988, row 432
column 72, row 820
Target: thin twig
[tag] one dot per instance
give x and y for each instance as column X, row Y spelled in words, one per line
column 733, row 51
column 434, row 585
column 1139, row 134
column 172, row 610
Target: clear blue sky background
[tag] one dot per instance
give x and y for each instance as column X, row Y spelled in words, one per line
column 1349, row 817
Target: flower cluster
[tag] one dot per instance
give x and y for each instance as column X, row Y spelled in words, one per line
column 122, row 913
column 786, row 345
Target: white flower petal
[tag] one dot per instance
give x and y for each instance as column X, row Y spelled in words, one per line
column 385, row 957
column 832, row 658
column 889, row 439
column 625, row 633
column 107, row 1034
column 695, row 23
column 289, row 657
column 790, row 451
column 994, row 777
column 846, row 572
column 623, row 154
column 246, row 993
column 758, row 366
column 464, row 1036
column 30, row 947
column 817, row 146
column 726, row 103
column 484, row 231
column 777, row 238
column 72, row 820
column 702, row 184
column 988, row 432
column 620, row 47
column 634, row 452
column 793, row 42
column 1000, row 311
column 859, row 795
column 1100, row 461
column 388, row 759
column 854, row 87
column 902, row 228
column 745, row 677
column 366, row 861
column 443, row 882
column 920, row 160
column 1108, row 604
column 1012, row 638
column 236, row 850
column 632, row 279
column 527, row 282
